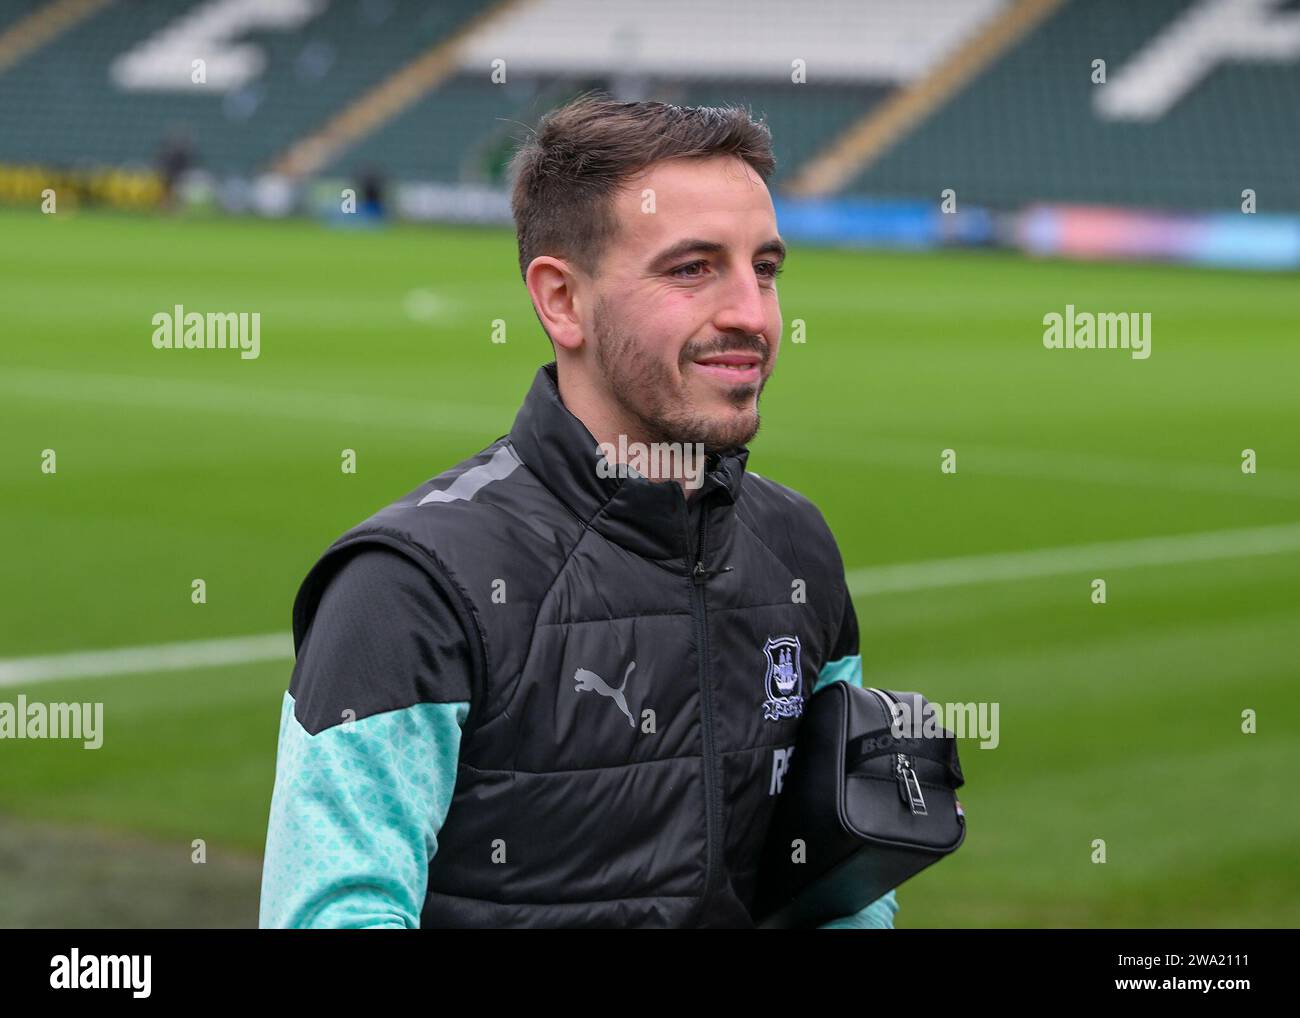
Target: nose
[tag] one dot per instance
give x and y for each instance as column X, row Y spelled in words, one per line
column 744, row 307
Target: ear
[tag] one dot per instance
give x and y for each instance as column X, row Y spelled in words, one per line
column 552, row 285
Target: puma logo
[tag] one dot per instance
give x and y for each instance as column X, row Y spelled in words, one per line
column 586, row 680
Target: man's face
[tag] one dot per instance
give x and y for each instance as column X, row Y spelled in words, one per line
column 686, row 322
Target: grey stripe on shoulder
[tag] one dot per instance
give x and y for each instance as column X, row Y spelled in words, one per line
column 503, row 463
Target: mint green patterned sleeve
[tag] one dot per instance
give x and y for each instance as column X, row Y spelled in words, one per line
column 879, row 915
column 355, row 815
column 845, row 669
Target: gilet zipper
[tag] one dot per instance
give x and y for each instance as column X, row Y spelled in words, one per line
column 712, row 790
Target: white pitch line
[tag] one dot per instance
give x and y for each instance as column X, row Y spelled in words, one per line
column 158, row 657
column 1006, row 567
column 934, row 574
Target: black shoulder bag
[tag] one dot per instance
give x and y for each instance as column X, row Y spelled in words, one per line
column 867, row 802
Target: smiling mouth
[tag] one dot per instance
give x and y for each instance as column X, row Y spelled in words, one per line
column 739, row 368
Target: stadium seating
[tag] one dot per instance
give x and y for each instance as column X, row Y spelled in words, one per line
column 1026, row 123
column 1031, row 127
column 62, row 105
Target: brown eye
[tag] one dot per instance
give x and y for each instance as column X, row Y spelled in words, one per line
column 689, row 265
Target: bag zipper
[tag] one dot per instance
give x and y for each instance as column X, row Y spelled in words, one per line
column 909, row 787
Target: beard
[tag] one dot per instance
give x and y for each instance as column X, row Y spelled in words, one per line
column 661, row 403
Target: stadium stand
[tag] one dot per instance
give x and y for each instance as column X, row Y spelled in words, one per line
column 993, row 98
column 461, row 131
column 63, row 106
column 112, row 88
column 1237, row 127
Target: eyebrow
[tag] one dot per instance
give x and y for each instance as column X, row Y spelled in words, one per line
column 694, row 245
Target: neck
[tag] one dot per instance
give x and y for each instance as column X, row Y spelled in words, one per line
column 625, row 441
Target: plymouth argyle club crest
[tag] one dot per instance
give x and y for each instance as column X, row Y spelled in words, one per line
column 784, row 678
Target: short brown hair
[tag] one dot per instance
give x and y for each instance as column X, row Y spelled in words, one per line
column 581, row 152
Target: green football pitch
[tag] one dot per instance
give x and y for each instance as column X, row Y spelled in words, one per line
column 1120, row 723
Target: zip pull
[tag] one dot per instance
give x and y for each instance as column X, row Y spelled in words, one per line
column 699, row 574
column 909, row 788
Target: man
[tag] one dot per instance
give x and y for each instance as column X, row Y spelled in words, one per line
column 558, row 684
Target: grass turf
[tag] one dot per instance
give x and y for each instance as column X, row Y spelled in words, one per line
column 1118, row 721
